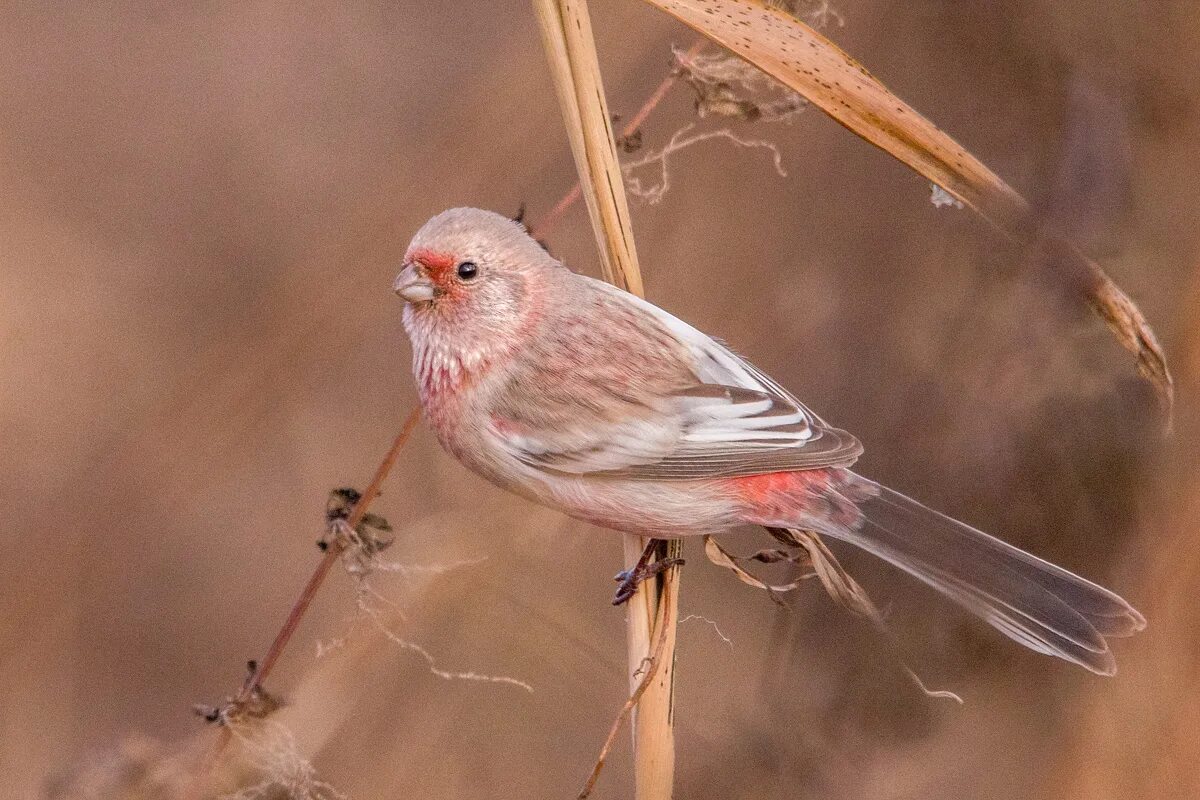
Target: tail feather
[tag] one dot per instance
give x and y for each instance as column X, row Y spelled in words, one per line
column 1044, row 607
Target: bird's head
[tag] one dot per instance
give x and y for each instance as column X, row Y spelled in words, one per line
column 470, row 275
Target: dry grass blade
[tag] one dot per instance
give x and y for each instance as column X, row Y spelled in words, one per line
column 1118, row 311
column 838, row 583
column 721, row 557
column 802, row 59
column 841, row 586
column 575, row 67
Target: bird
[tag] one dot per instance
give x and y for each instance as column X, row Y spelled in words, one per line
column 580, row 396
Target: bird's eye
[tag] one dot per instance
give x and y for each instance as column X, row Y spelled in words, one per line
column 467, row 270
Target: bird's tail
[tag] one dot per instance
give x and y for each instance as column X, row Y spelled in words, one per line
column 1031, row 601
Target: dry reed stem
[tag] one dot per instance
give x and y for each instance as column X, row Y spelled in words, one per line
column 574, row 65
column 567, row 36
column 652, row 667
column 571, row 197
column 802, row 59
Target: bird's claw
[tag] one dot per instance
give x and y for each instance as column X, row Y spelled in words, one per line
column 628, row 580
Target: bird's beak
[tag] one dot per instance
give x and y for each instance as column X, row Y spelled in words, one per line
column 412, row 287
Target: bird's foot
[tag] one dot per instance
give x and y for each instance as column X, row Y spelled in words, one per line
column 628, row 580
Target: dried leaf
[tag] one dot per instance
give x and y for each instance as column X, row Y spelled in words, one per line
column 1118, row 311
column 726, row 86
column 849, row 594
column 802, row 59
column 774, row 556
column 723, row 558
column 799, row 57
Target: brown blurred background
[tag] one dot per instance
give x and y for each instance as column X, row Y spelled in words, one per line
column 201, row 209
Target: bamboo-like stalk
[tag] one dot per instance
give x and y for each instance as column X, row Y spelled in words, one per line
column 551, row 218
column 571, row 52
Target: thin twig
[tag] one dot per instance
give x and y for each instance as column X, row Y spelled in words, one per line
column 331, row 556
column 570, row 198
column 652, row 665
column 300, row 607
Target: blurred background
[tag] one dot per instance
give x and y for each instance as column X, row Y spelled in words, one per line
column 203, row 207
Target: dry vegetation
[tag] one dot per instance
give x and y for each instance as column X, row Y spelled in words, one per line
column 203, row 210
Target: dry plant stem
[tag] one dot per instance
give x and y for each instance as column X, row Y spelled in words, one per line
column 567, row 36
column 300, row 607
column 570, row 198
column 655, row 617
column 331, row 556
column 650, row 671
column 574, row 66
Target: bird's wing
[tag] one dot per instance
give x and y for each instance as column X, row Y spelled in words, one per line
column 715, row 416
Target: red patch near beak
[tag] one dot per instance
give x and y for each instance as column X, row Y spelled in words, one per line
column 436, row 264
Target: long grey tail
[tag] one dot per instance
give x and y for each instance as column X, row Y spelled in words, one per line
column 1031, row 601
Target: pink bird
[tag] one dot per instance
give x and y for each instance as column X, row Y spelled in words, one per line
column 588, row 399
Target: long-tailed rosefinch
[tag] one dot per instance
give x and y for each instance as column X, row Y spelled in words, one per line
column 585, row 398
